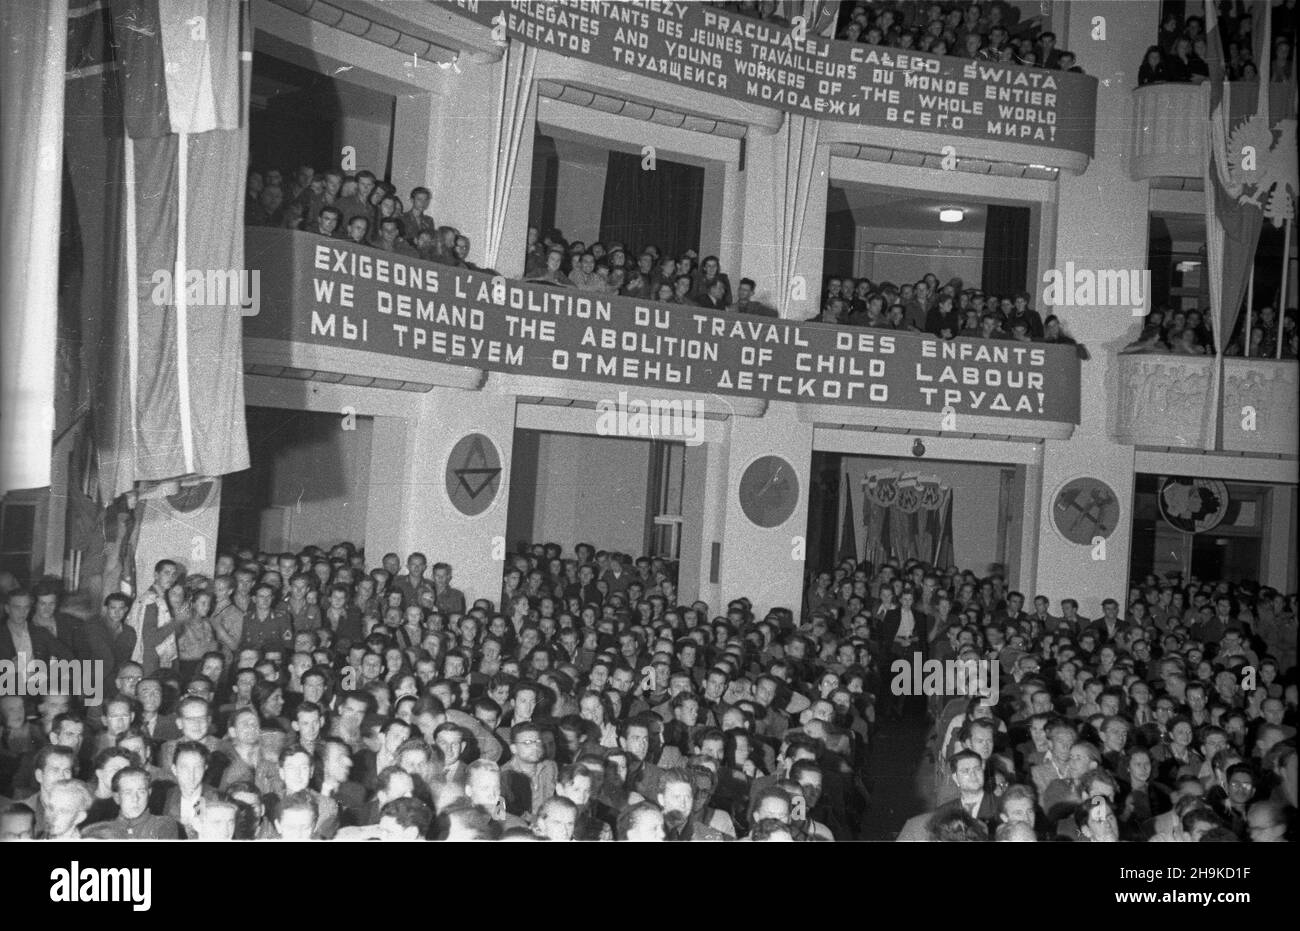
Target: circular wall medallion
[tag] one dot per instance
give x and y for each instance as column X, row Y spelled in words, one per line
column 769, row 491
column 473, row 474
column 1193, row 505
column 1084, row 509
column 190, row 498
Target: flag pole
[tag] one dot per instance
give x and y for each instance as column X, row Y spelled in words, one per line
column 1281, row 304
column 1250, row 306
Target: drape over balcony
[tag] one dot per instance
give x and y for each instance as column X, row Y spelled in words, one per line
column 518, row 69
column 31, row 156
column 797, row 166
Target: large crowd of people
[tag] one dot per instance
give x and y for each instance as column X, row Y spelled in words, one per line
column 318, row 695
column 1188, row 333
column 1179, row 55
column 994, row 32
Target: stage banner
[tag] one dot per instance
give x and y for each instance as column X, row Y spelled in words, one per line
column 335, row 293
column 702, row 47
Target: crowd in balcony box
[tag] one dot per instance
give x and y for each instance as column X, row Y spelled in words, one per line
column 947, row 311
column 358, row 208
column 322, row 694
column 1188, row 333
column 647, row 273
column 993, row 32
column 1179, row 56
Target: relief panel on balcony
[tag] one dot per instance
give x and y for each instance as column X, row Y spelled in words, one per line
column 1260, row 412
column 1162, row 400
column 1169, row 130
column 1169, row 124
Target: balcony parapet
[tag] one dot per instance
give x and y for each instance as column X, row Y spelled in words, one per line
column 1164, row 401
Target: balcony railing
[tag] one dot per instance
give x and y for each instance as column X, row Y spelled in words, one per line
column 1165, row 400
column 1169, row 122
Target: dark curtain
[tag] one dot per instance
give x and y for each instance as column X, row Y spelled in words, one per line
column 660, row 206
column 546, row 173
column 1006, row 250
column 841, row 231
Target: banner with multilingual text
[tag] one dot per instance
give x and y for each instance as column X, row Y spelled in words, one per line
column 703, row 47
column 335, row 293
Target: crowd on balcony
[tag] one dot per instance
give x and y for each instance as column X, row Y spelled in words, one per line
column 320, row 695
column 1179, row 56
column 976, row 31
column 356, row 207
column 647, row 273
column 1187, row 332
column 947, row 311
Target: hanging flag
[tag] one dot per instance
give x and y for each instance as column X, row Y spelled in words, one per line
column 1236, row 150
column 172, row 404
column 848, row 530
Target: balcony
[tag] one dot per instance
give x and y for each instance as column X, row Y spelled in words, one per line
column 1169, row 123
column 338, row 312
column 1164, row 400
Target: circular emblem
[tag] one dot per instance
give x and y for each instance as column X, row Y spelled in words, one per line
column 473, row 474
column 769, row 491
column 1084, row 509
column 1193, row 505
column 190, row 498
column 909, row 500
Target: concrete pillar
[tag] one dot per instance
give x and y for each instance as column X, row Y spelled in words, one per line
column 766, row 564
column 1100, row 223
column 389, row 490
column 1278, row 565
column 430, row 522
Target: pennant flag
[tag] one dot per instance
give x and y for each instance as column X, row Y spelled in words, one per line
column 848, row 531
column 160, row 88
column 1235, row 150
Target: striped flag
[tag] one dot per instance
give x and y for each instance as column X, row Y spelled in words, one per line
column 176, row 77
column 1231, row 225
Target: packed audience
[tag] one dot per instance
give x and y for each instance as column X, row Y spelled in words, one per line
column 994, row 32
column 1188, row 333
column 356, row 207
column 313, row 695
column 947, row 311
column 1171, row 717
column 1179, row 55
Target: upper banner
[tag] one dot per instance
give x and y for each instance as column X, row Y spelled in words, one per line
column 331, row 292
column 702, row 47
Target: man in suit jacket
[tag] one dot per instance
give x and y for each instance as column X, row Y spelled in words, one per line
column 904, row 631
column 1109, row 624
column 19, row 635
column 967, row 773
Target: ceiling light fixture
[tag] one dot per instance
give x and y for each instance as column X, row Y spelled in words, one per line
column 951, row 215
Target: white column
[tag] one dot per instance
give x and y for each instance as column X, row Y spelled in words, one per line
column 389, row 489
column 1100, row 223
column 765, row 565
column 430, row 522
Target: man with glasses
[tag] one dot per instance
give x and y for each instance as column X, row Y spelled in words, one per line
column 528, row 779
column 1232, row 802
